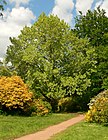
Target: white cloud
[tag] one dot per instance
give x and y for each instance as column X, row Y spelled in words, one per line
column 11, row 25
column 63, row 9
column 18, row 2
column 1, row 59
column 83, row 5
column 105, row 6
column 21, row 15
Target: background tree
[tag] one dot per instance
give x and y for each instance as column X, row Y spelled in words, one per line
column 52, row 59
column 94, row 26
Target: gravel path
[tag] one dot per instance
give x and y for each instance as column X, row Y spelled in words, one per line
column 52, row 130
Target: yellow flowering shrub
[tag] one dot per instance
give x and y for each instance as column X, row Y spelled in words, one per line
column 14, row 95
column 41, row 107
column 98, row 108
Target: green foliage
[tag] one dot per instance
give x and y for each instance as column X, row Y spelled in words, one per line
column 64, row 104
column 105, row 83
column 15, row 97
column 93, row 25
column 53, row 61
column 74, row 104
column 40, row 107
column 98, row 108
column 69, row 104
column 4, row 71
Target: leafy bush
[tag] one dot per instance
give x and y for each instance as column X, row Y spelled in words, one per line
column 15, row 97
column 40, row 107
column 74, row 104
column 98, row 108
column 64, row 104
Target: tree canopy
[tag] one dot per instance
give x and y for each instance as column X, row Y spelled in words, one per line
column 94, row 26
column 52, row 59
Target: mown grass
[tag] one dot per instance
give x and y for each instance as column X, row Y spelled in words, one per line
column 83, row 131
column 14, row 126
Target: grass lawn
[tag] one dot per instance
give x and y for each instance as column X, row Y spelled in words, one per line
column 83, row 131
column 13, row 126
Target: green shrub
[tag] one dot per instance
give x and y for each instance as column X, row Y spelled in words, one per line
column 98, row 108
column 64, row 104
column 73, row 104
column 40, row 107
column 15, row 97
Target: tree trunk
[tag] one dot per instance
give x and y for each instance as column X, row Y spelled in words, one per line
column 53, row 102
column 54, row 105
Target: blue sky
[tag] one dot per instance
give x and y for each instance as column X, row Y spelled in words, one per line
column 19, row 13
column 40, row 6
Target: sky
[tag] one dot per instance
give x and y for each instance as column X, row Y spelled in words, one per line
column 20, row 13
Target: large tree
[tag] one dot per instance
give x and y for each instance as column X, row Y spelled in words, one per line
column 52, row 59
column 94, row 26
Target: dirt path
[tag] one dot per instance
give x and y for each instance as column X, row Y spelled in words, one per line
column 50, row 131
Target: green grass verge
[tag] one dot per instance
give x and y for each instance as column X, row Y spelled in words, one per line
column 13, row 126
column 83, row 131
